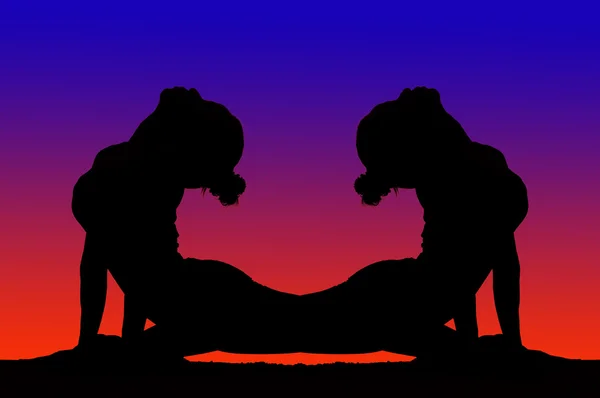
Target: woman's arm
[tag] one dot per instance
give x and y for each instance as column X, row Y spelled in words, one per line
column 93, row 279
column 134, row 320
column 506, row 281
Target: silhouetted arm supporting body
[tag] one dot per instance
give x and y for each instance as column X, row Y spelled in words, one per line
column 506, row 281
column 509, row 208
column 465, row 319
column 93, row 285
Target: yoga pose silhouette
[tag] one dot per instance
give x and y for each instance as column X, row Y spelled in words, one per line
column 472, row 202
column 127, row 205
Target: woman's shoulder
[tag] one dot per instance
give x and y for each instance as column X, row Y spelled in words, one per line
column 486, row 158
column 113, row 156
column 108, row 166
column 491, row 166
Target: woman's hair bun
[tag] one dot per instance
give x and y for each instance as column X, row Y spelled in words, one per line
column 371, row 189
column 229, row 189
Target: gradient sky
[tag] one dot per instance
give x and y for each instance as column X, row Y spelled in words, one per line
column 77, row 77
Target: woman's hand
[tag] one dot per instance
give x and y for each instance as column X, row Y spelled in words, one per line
column 99, row 345
column 86, row 341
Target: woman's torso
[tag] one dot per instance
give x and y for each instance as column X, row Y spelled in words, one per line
column 131, row 210
column 471, row 205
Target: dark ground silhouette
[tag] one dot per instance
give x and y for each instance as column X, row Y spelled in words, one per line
column 109, row 374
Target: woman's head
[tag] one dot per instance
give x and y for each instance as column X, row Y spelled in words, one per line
column 197, row 142
column 401, row 141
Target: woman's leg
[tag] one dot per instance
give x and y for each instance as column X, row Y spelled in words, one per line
column 224, row 309
column 378, row 308
column 338, row 321
column 386, row 306
column 267, row 322
column 219, row 307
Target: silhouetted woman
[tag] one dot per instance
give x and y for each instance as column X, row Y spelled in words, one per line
column 127, row 205
column 472, row 202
